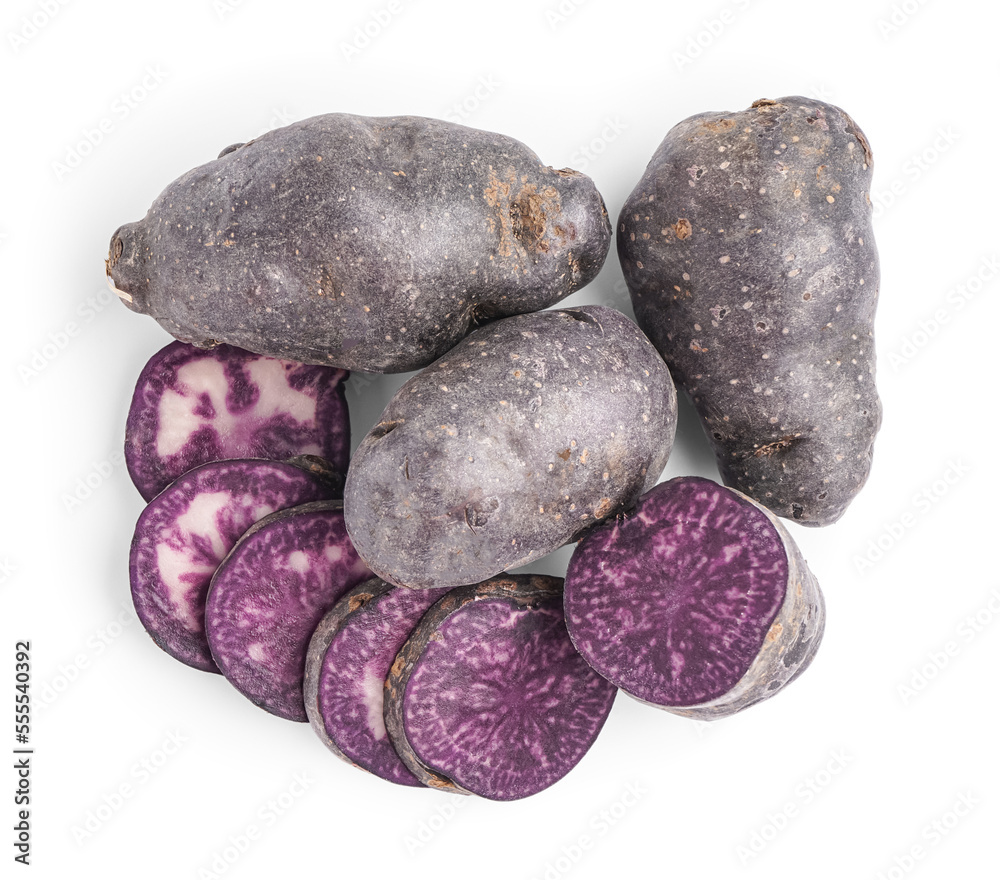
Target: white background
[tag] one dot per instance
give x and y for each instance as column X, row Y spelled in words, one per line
column 860, row 768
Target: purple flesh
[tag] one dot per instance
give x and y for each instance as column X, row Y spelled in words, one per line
column 187, row 530
column 489, row 696
column 269, row 595
column 674, row 602
column 349, row 660
column 193, row 405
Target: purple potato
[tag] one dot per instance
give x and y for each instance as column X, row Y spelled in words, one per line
column 269, row 595
column 193, row 406
column 526, row 433
column 186, row 531
column 362, row 243
column 748, row 251
column 698, row 601
column 348, row 662
column 489, row 697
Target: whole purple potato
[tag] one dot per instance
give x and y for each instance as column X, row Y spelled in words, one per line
column 361, row 243
column 524, row 435
column 748, row 250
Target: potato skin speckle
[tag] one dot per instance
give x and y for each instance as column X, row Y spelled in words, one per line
column 748, row 251
column 362, row 243
column 455, row 486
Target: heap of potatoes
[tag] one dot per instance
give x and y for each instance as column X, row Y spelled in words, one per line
column 404, row 243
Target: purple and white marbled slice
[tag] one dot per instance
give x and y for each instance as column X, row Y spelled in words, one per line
column 187, row 530
column 349, row 659
column 270, row 593
column 488, row 696
column 193, row 405
column 698, row 601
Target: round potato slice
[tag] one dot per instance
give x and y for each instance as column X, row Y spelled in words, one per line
column 488, row 696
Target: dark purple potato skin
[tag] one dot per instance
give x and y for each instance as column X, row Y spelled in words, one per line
column 192, row 406
column 489, row 697
column 349, row 658
column 528, row 432
column 748, row 251
column 697, row 602
column 362, row 243
column 269, row 595
column 184, row 533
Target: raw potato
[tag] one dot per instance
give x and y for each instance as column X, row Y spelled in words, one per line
column 269, row 595
column 525, row 434
column 347, row 663
column 488, row 696
column 698, row 601
column 192, row 406
column 748, row 251
column 362, row 243
column 186, row 531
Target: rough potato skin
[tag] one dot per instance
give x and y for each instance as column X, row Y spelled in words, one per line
column 524, row 435
column 748, row 251
column 362, row 243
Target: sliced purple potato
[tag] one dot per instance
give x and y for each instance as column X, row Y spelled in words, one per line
column 269, row 594
column 349, row 659
column 195, row 405
column 698, row 602
column 489, row 697
column 189, row 528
